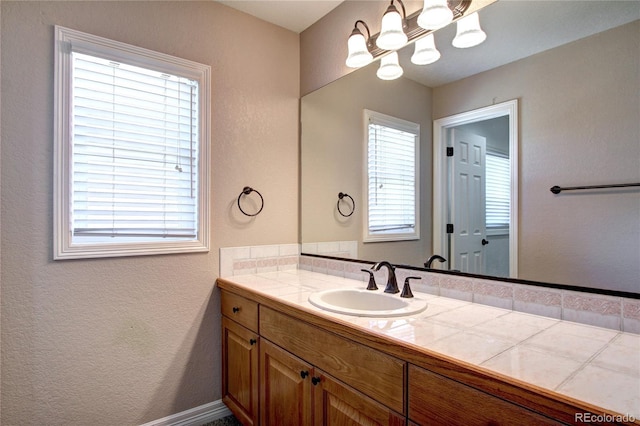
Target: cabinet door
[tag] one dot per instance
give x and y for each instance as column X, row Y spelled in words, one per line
column 337, row 404
column 240, row 371
column 437, row 400
column 285, row 387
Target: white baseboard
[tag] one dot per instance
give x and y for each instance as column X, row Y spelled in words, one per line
column 195, row 416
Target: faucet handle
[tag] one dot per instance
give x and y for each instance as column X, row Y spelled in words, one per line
column 372, row 281
column 406, row 290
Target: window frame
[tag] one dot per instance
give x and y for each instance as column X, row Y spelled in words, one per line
column 67, row 41
column 406, row 126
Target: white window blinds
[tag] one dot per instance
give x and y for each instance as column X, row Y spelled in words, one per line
column 498, row 191
column 392, row 178
column 134, row 151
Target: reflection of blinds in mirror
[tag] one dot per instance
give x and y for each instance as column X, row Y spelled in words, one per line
column 498, row 191
column 391, row 179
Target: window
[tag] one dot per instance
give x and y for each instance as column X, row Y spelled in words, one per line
column 392, row 178
column 498, row 192
column 131, row 150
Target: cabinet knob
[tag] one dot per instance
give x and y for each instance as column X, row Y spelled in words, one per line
column 252, row 341
column 315, row 380
column 235, row 309
column 304, row 374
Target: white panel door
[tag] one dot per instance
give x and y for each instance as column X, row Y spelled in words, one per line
column 468, row 202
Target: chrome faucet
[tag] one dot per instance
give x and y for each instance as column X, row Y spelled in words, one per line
column 429, row 261
column 392, row 283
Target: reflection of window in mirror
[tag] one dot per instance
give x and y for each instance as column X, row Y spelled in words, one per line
column 498, row 193
column 391, row 184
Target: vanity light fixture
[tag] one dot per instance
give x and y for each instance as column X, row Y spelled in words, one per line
column 425, row 51
column 397, row 30
column 359, row 54
column 468, row 32
column 389, row 69
column 392, row 35
column 435, row 14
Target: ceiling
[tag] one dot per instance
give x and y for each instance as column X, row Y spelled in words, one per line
column 294, row 15
column 515, row 29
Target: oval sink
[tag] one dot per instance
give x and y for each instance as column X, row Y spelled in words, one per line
column 366, row 303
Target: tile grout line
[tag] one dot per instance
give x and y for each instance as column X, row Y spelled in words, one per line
column 520, row 343
column 586, row 363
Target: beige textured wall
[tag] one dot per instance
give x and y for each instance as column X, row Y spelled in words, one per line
column 333, row 158
column 579, row 109
column 129, row 340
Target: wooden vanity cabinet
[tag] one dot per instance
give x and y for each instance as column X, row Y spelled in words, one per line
column 304, row 373
column 294, row 393
column 240, row 357
column 435, row 399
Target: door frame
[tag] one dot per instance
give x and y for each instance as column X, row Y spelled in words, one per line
column 441, row 171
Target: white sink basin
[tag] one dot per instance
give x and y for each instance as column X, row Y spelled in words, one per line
column 366, row 303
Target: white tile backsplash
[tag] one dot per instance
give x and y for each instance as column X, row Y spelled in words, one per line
column 258, row 259
column 261, row 252
column 345, row 249
column 289, row 249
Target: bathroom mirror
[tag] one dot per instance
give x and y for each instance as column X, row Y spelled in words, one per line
column 577, row 111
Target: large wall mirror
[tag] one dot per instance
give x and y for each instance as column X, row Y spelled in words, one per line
column 572, row 70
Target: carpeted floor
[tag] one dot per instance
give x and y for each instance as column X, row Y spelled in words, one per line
column 226, row 421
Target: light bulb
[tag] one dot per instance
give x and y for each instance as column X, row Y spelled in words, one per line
column 468, row 32
column 425, row 52
column 359, row 55
column 435, row 14
column 392, row 36
column 389, row 67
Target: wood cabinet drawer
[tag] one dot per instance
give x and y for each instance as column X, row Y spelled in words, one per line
column 241, row 310
column 435, row 399
column 375, row 374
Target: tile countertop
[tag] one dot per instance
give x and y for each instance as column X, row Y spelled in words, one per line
column 595, row 365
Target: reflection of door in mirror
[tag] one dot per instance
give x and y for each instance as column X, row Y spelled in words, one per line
column 475, row 190
column 467, row 201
